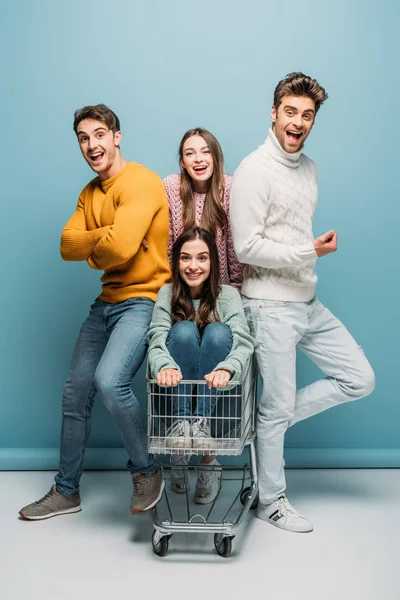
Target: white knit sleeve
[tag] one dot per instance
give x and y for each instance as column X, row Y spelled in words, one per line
column 249, row 208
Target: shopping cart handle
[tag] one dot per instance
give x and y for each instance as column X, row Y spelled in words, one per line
column 230, row 383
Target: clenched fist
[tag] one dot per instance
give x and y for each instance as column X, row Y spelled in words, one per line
column 325, row 244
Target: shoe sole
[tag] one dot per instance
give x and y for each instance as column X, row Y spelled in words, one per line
column 139, row 510
column 178, row 444
column 267, row 520
column 180, row 489
column 69, row 511
column 205, row 499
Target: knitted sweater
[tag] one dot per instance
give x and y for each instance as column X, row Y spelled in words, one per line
column 107, row 229
column 230, row 312
column 231, row 271
column 273, row 198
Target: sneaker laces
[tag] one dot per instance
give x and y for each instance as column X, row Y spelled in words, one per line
column 50, row 494
column 178, row 429
column 142, row 485
column 285, row 509
column 200, row 428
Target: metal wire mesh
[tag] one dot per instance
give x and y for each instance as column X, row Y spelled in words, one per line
column 226, row 417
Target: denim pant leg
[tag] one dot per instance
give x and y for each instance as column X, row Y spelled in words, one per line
column 127, row 325
column 78, row 397
column 183, row 344
column 277, row 328
column 216, row 343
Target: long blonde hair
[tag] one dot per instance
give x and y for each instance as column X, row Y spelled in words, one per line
column 213, row 212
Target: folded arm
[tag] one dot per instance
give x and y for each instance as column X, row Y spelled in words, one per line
column 132, row 220
column 77, row 243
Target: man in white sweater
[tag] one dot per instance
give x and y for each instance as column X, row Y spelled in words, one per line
column 273, row 198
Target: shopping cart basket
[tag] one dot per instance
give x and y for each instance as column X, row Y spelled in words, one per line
column 232, row 427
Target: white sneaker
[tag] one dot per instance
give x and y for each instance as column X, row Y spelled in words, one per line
column 178, row 435
column 282, row 514
column 201, row 434
column 180, row 482
column 208, row 483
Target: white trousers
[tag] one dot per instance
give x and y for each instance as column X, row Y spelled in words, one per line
column 278, row 328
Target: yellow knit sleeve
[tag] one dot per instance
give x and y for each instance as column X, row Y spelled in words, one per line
column 77, row 243
column 139, row 199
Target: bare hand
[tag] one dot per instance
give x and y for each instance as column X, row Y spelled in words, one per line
column 325, row 244
column 169, row 377
column 218, row 379
column 144, row 244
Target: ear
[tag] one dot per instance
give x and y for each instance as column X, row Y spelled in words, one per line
column 273, row 114
column 117, row 138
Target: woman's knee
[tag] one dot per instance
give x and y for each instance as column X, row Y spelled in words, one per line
column 216, row 333
column 184, row 332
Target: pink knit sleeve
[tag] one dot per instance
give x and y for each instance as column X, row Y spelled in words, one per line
column 171, row 185
column 235, row 268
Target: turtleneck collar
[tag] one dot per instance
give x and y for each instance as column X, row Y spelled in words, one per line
column 274, row 149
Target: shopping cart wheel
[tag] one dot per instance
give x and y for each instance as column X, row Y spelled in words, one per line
column 243, row 498
column 161, row 547
column 223, row 545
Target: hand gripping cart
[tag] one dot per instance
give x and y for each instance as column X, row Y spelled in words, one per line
column 232, row 427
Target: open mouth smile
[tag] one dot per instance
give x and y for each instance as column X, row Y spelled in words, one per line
column 96, row 157
column 200, row 170
column 294, row 136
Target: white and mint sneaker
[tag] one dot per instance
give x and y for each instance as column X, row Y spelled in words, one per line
column 178, row 435
column 282, row 514
column 201, row 435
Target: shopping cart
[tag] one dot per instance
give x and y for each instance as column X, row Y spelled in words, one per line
column 232, row 425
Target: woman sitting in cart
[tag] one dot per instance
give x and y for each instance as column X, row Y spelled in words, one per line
column 198, row 332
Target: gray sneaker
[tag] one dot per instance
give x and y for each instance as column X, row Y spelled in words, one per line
column 54, row 503
column 208, row 483
column 180, row 482
column 147, row 491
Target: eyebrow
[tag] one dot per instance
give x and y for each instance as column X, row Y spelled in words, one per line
column 97, row 129
column 202, row 148
column 294, row 108
column 200, row 253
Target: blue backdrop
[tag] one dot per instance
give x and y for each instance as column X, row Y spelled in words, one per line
column 165, row 67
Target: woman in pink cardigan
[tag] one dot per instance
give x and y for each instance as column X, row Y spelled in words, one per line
column 199, row 197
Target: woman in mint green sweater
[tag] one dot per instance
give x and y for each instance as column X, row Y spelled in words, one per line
column 198, row 331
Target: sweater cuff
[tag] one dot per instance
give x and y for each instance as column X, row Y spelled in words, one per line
column 226, row 366
column 307, row 252
column 169, row 365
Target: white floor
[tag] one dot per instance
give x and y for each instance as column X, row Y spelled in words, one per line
column 105, row 553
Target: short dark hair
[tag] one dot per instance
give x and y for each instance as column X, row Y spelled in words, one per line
column 298, row 84
column 99, row 112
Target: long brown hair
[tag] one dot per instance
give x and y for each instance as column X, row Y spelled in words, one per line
column 213, row 213
column 182, row 308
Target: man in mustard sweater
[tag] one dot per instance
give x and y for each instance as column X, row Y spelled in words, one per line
column 119, row 209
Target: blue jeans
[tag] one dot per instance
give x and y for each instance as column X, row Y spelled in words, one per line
column 197, row 356
column 111, row 346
